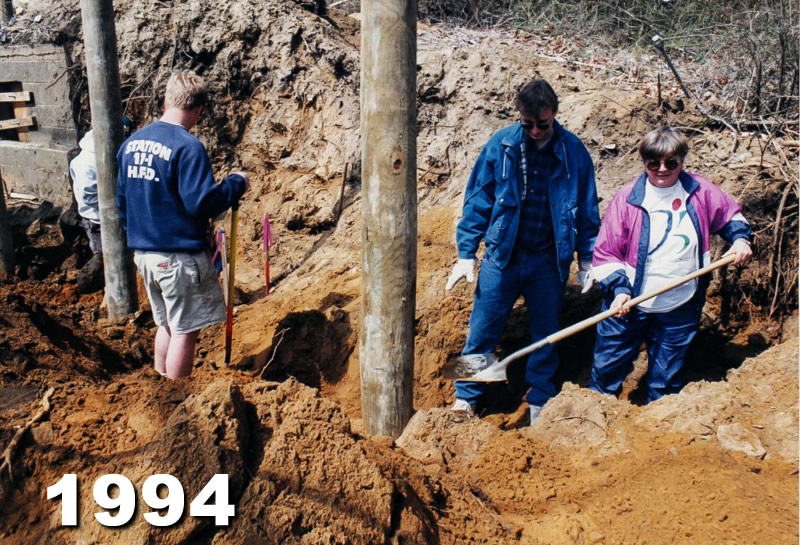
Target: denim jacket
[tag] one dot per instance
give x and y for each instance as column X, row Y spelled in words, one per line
column 492, row 200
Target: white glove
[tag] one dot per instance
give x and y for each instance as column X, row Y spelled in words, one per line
column 464, row 268
column 585, row 277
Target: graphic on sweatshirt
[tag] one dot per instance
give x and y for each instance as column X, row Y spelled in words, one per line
column 143, row 153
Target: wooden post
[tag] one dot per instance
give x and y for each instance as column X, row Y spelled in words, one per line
column 6, row 10
column 6, row 239
column 106, row 105
column 389, row 213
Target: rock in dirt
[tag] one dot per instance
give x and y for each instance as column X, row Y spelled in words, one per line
column 736, row 438
column 445, row 437
column 761, row 392
column 578, row 417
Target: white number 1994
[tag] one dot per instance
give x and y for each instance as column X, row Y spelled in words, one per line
column 124, row 500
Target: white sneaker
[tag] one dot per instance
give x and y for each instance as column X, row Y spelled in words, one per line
column 535, row 410
column 463, row 405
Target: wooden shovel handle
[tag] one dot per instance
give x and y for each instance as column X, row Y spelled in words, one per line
column 566, row 332
column 497, row 371
column 232, row 260
column 231, row 278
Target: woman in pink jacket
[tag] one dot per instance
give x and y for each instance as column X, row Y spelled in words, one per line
column 657, row 229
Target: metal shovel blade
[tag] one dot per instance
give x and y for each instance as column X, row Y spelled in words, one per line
column 492, row 371
column 459, row 367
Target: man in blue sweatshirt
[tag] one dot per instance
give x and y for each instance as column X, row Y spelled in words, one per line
column 166, row 196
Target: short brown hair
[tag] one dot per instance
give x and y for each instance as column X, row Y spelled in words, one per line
column 185, row 90
column 535, row 97
column 663, row 142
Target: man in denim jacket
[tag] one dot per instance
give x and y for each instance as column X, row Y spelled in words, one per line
column 532, row 199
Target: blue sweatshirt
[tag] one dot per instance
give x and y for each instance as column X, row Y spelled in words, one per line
column 166, row 192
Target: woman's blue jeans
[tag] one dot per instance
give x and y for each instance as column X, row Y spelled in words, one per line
column 667, row 336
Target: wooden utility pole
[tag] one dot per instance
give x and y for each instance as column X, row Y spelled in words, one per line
column 6, row 10
column 102, row 70
column 6, row 239
column 389, row 213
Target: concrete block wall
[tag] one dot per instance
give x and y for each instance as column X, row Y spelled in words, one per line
column 38, row 169
column 40, row 166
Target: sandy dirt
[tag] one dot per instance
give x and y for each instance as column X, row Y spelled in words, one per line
column 716, row 463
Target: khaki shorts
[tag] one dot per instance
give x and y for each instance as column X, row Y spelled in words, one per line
column 183, row 289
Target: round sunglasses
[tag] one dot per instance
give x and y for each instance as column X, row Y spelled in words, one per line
column 541, row 125
column 655, row 165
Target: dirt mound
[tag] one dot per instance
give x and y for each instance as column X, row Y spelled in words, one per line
column 759, row 396
column 44, row 337
column 594, row 469
column 283, row 420
column 297, row 471
column 300, row 471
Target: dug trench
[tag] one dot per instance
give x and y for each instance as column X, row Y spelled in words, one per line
column 715, row 463
column 283, row 424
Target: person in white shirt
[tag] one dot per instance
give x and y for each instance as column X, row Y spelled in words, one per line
column 656, row 230
column 83, row 171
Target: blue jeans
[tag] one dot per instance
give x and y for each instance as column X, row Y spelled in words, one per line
column 667, row 336
column 534, row 275
column 93, row 234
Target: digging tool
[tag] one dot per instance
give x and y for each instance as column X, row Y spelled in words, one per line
column 658, row 42
column 267, row 243
column 222, row 250
column 231, row 276
column 218, row 265
column 496, row 372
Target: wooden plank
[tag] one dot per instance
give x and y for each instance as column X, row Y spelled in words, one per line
column 23, row 96
column 17, row 123
column 20, row 112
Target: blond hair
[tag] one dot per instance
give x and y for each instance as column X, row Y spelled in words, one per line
column 185, row 90
column 664, row 142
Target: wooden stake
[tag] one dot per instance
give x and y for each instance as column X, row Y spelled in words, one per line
column 230, row 286
column 341, row 195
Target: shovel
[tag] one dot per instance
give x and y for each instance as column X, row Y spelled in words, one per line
column 229, row 286
column 496, row 372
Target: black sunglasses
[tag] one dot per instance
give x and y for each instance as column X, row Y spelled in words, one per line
column 541, row 125
column 654, row 165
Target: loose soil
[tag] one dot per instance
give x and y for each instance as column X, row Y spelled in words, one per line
column 716, row 463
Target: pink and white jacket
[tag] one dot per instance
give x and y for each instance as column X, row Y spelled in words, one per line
column 621, row 247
